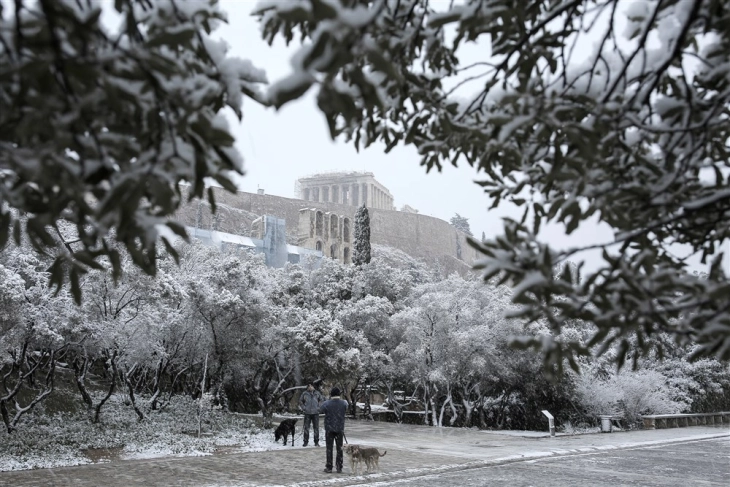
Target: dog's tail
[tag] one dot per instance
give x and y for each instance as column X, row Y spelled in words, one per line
column 383, row 454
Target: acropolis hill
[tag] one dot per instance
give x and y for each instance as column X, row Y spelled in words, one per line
column 322, row 216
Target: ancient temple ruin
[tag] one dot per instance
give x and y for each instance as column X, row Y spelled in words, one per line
column 319, row 223
column 345, row 188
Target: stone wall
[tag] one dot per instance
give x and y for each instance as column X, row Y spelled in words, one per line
column 420, row 236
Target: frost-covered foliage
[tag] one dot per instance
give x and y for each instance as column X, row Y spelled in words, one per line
column 614, row 111
column 630, row 393
column 99, row 126
column 226, row 332
column 52, row 439
column 361, row 254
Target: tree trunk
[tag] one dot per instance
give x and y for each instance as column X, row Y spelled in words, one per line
column 454, row 411
column 397, row 408
column 468, row 410
column 201, row 401
column 426, row 403
column 166, row 402
column 157, row 384
column 367, row 411
column 97, row 410
column 266, row 412
column 434, row 412
column 482, row 417
column 50, row 362
column 130, row 391
column 352, row 397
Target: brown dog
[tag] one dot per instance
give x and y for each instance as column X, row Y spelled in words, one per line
column 370, row 456
column 353, row 452
column 360, row 454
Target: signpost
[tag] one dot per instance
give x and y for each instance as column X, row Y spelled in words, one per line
column 551, row 421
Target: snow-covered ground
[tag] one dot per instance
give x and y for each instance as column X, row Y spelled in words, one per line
column 64, row 439
column 45, row 440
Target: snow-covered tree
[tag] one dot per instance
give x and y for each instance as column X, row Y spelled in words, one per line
column 361, row 254
column 35, row 330
column 99, row 126
column 448, row 329
column 631, row 132
column 630, row 393
column 460, row 223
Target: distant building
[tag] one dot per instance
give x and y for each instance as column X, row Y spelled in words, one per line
column 269, row 238
column 320, row 222
column 345, row 188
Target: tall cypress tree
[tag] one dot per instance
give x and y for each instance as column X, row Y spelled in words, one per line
column 361, row 255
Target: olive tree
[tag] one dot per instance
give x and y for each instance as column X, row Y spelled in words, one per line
column 100, row 126
column 632, row 134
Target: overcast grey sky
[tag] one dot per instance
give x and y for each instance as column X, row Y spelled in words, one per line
column 279, row 147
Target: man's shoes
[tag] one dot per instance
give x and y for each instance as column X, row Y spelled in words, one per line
column 339, row 470
column 304, row 444
column 316, row 444
column 327, row 470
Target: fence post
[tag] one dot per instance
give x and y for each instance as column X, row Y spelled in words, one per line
column 551, row 422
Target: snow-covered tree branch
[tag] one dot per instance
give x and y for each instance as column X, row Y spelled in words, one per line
column 613, row 110
column 100, row 126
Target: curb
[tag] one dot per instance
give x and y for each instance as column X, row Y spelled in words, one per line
column 386, row 478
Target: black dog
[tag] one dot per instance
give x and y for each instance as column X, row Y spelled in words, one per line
column 287, row 427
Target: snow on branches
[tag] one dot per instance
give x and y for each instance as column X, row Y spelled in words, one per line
column 99, row 127
column 615, row 110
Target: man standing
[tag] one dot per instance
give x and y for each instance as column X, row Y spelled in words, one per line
column 309, row 404
column 334, row 427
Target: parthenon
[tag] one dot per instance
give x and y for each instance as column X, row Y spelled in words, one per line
column 347, row 188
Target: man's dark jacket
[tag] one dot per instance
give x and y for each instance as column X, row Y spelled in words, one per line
column 334, row 414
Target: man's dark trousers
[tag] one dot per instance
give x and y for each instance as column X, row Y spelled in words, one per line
column 332, row 437
column 314, row 419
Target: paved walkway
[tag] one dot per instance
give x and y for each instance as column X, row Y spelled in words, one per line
column 411, row 451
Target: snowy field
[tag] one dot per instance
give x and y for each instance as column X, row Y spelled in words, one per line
column 65, row 439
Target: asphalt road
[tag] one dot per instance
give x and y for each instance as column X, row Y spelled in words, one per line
column 696, row 463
